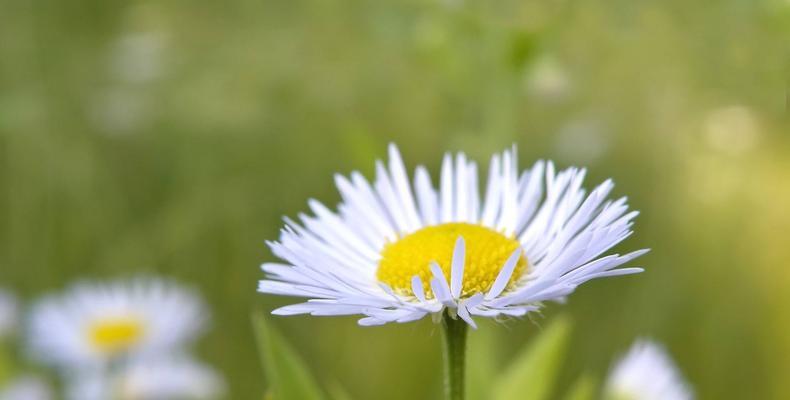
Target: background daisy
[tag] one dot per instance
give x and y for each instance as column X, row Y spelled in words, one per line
column 646, row 373
column 25, row 388
column 168, row 378
column 397, row 250
column 93, row 324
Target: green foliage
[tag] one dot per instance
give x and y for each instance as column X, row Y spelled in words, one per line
column 481, row 366
column 582, row 389
column 5, row 363
column 286, row 374
column 338, row 392
column 532, row 374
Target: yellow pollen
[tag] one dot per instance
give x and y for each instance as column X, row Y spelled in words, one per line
column 115, row 335
column 486, row 254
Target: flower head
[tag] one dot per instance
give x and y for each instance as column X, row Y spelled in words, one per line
column 646, row 373
column 27, row 387
column 93, row 323
column 397, row 251
column 168, row 378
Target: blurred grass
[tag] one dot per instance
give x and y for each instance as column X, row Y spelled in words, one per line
column 169, row 138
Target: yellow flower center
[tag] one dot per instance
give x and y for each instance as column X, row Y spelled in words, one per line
column 486, row 254
column 116, row 334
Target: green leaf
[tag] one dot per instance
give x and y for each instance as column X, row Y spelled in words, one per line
column 6, row 366
column 582, row 389
column 286, row 373
column 531, row 376
column 338, row 392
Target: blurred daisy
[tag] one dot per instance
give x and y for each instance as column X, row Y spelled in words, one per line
column 88, row 384
column 397, row 251
column 26, row 388
column 548, row 79
column 646, row 373
column 95, row 324
column 8, row 313
column 170, row 378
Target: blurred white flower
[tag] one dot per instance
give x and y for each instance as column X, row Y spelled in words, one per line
column 646, row 373
column 8, row 313
column 26, row 388
column 548, row 79
column 93, row 324
column 168, row 379
column 120, row 110
column 732, row 130
column 138, row 57
column 87, row 384
column 583, row 141
column 135, row 60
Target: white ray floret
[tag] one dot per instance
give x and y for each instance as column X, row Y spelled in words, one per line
column 646, row 373
column 27, row 387
column 168, row 378
column 93, row 324
column 558, row 231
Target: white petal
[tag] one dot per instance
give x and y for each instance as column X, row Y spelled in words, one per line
column 446, row 193
column 440, row 287
column 464, row 314
column 504, row 275
column 402, row 187
column 417, row 288
column 426, row 197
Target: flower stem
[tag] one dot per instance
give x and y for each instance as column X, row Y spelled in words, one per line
column 454, row 357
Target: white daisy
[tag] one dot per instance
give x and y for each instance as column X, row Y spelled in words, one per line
column 169, row 378
column 646, row 373
column 396, row 251
column 8, row 313
column 94, row 324
column 26, row 388
column 88, row 384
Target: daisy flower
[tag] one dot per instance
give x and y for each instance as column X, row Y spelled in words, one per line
column 96, row 324
column 398, row 250
column 26, row 388
column 156, row 378
column 169, row 378
column 646, row 373
column 8, row 313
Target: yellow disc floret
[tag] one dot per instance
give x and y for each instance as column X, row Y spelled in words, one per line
column 114, row 335
column 486, row 254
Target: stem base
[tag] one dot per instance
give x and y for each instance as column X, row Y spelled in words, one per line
column 454, row 330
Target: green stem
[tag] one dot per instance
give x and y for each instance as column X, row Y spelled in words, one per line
column 454, row 357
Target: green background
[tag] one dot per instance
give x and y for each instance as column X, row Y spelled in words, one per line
column 169, row 137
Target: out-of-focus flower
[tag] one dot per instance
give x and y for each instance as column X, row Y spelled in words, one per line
column 8, row 313
column 93, row 324
column 169, row 378
column 136, row 60
column 88, row 383
column 120, row 110
column 26, row 388
column 394, row 257
column 582, row 140
column 646, row 373
column 547, row 78
column 138, row 57
column 732, row 130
